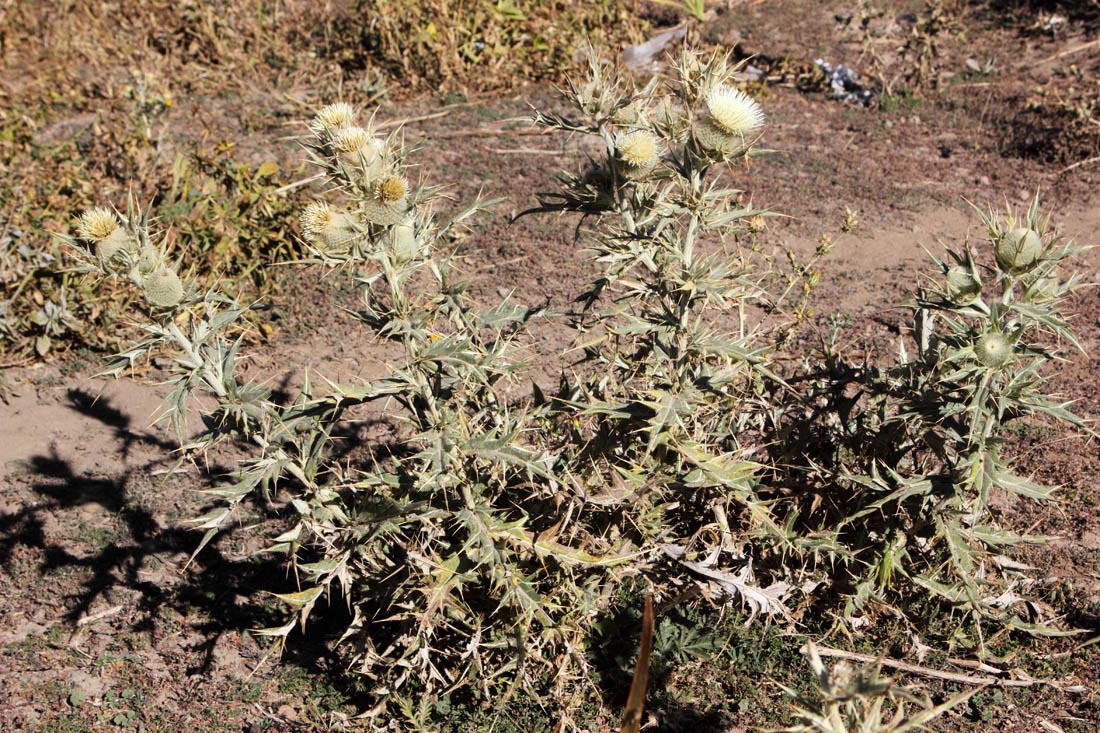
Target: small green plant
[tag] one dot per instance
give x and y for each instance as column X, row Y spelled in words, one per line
column 479, row 45
column 237, row 218
column 697, row 9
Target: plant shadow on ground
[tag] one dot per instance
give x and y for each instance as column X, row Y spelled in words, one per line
column 709, row 668
column 220, row 587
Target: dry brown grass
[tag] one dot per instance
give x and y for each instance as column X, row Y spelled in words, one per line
column 102, row 99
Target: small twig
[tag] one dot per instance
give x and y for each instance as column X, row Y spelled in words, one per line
column 407, row 120
column 976, row 665
column 493, row 131
column 524, row 151
column 1067, row 52
column 964, row 679
column 1078, row 164
column 17, row 363
column 635, row 705
column 177, row 471
column 298, row 184
column 83, row 621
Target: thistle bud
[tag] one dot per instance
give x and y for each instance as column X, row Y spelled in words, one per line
column 1018, row 250
column 730, row 116
column 163, row 288
column 113, row 250
column 403, row 243
column 149, row 261
column 389, row 201
column 627, row 115
column 993, row 349
column 963, row 288
column 1044, row 290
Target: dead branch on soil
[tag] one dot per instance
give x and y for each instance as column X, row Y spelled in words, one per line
column 964, row 679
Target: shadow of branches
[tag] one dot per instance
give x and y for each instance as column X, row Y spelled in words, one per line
column 134, row 554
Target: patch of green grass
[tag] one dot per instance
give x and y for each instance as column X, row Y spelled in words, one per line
column 318, row 694
column 900, row 100
column 67, row 723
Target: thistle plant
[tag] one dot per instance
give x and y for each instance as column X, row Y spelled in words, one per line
column 661, row 419
column 922, row 451
column 478, row 549
column 438, row 548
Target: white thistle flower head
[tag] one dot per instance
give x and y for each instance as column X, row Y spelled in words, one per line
column 355, row 145
column 388, row 204
column 331, row 230
column 96, row 224
column 730, row 116
column 316, row 217
column 733, row 111
column 333, row 118
column 637, row 149
column 993, row 349
column 392, row 189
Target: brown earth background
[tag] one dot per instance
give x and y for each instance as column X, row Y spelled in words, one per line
column 103, row 626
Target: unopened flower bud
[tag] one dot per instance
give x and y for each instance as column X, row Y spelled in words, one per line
column 963, row 288
column 405, row 248
column 163, row 288
column 149, row 260
column 1018, row 250
column 627, row 115
column 1043, row 290
column 113, row 250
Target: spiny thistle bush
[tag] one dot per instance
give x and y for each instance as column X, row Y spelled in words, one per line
column 661, row 440
column 912, row 453
column 479, row 552
column 429, row 547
